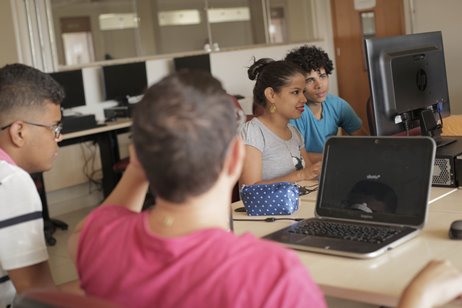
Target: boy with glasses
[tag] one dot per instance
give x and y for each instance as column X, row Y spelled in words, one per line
column 30, row 128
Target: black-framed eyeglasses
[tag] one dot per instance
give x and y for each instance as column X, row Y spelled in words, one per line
column 55, row 128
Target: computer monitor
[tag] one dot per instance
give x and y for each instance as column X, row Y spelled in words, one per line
column 122, row 81
column 72, row 82
column 197, row 62
column 407, row 77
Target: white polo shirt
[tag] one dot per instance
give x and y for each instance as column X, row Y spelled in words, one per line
column 22, row 241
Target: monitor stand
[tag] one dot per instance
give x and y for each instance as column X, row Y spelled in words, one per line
column 429, row 127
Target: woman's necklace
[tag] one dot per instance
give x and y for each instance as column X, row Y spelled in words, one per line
column 296, row 160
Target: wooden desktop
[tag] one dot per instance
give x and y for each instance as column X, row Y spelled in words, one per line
column 380, row 280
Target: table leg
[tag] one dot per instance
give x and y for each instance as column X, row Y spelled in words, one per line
column 109, row 152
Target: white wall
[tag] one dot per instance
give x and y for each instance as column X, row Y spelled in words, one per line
column 231, row 68
column 8, row 51
column 443, row 15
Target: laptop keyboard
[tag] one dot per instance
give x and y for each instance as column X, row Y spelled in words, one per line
column 353, row 232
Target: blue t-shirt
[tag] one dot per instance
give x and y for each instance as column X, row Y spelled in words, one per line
column 336, row 113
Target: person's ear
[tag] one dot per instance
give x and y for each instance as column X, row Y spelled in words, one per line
column 235, row 158
column 270, row 94
column 17, row 133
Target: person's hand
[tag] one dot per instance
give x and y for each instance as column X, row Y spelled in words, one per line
column 436, row 284
column 312, row 171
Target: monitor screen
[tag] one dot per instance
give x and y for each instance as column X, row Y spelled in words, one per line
column 124, row 80
column 72, row 82
column 199, row 62
column 407, row 76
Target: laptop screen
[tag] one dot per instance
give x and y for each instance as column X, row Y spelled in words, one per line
column 379, row 179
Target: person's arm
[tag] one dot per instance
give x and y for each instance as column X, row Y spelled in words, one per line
column 436, row 284
column 129, row 193
column 314, row 157
column 252, row 171
column 350, row 123
column 32, row 276
column 358, row 132
column 131, row 190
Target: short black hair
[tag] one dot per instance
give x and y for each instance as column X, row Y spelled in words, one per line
column 310, row 58
column 182, row 129
column 270, row 73
column 22, row 86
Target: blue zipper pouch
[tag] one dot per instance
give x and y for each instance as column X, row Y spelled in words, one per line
column 270, row 199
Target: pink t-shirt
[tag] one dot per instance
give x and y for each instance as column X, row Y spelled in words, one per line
column 121, row 260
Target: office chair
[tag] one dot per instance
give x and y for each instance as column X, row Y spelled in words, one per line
column 50, row 224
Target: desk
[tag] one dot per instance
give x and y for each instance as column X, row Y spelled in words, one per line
column 106, row 138
column 381, row 280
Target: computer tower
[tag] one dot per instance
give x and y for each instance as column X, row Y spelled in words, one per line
column 447, row 170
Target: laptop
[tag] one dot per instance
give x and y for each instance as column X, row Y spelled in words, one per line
column 372, row 196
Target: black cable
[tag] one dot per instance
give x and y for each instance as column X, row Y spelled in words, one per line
column 305, row 190
column 89, row 168
column 440, row 126
column 268, row 219
column 406, row 119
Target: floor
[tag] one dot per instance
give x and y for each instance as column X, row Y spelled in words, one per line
column 63, row 269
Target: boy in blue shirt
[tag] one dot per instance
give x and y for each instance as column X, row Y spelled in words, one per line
column 326, row 113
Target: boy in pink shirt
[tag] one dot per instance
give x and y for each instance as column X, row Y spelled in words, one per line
column 180, row 253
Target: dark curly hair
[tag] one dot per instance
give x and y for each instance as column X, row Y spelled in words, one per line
column 310, row 58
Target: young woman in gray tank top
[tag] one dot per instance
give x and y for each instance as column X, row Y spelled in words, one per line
column 275, row 151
